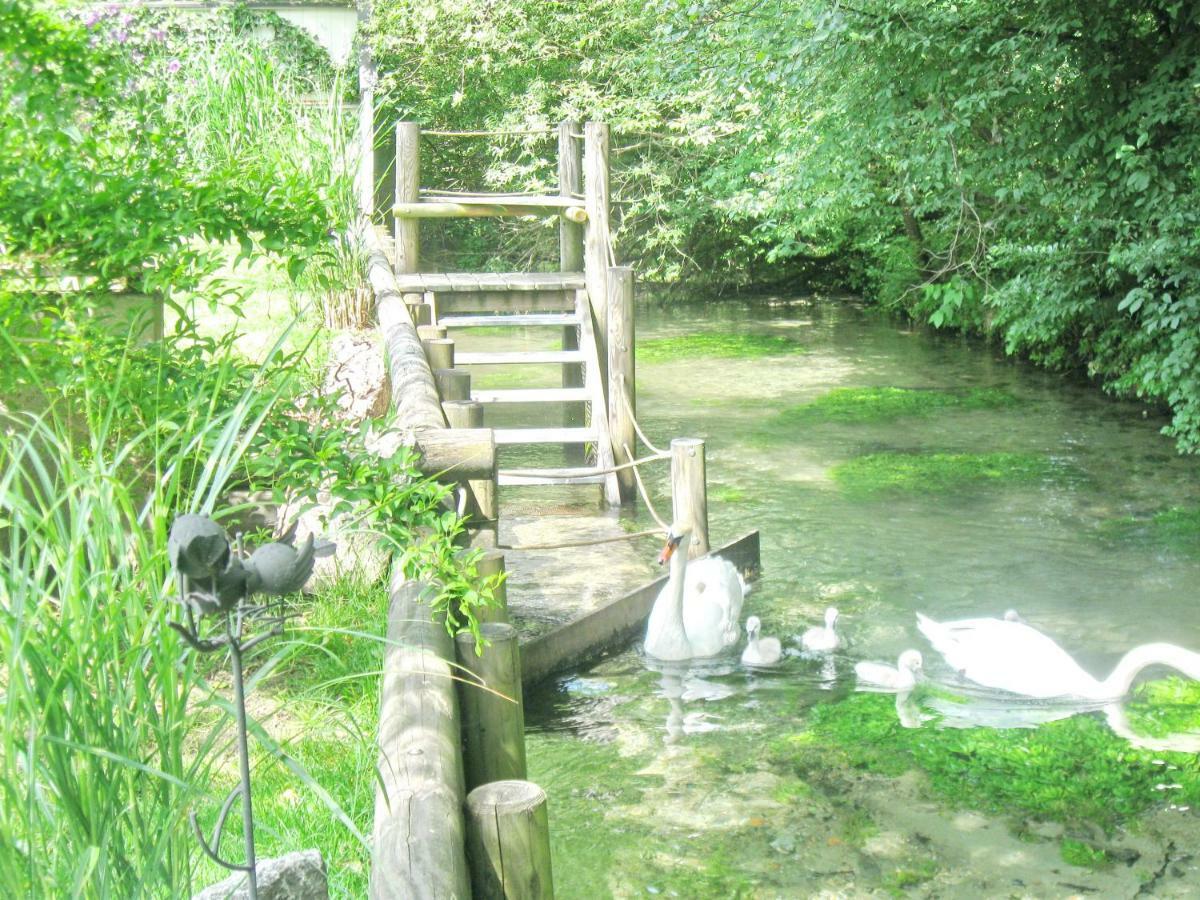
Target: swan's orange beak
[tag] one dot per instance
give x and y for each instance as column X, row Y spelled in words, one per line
column 668, row 549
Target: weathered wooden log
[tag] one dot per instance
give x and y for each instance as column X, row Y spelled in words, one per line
column 570, row 184
column 410, row 212
column 689, row 493
column 508, row 836
column 621, row 374
column 456, row 454
column 493, row 720
column 440, row 353
column 421, row 313
column 419, row 835
column 408, row 189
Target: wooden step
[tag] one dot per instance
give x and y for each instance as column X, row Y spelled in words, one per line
column 584, row 475
column 519, row 320
column 517, row 357
column 508, row 436
column 460, row 282
column 532, row 395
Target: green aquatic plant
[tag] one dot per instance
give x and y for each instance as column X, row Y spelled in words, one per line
column 932, row 472
column 902, row 879
column 1077, row 853
column 877, row 404
column 1074, row 770
column 1177, row 528
column 718, row 344
column 1165, row 707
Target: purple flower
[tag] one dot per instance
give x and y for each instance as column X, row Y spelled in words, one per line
column 158, row 34
column 126, row 20
column 121, row 36
column 174, row 66
column 92, row 17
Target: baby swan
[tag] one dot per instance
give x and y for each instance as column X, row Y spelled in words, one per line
column 760, row 651
column 823, row 640
column 901, row 678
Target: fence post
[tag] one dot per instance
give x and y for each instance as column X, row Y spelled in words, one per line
column 597, row 249
column 689, row 494
column 469, row 414
column 493, row 716
column 570, row 259
column 408, row 190
column 508, row 841
column 621, row 373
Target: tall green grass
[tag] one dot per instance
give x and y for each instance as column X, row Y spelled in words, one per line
column 101, row 759
column 287, row 142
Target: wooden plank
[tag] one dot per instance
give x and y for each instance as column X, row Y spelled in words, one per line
column 614, row 625
column 505, row 301
column 530, row 395
column 517, row 357
column 526, row 320
column 599, row 415
column 419, row 833
column 505, row 436
column 486, row 281
column 540, row 201
column 597, row 245
column 508, row 479
column 570, row 184
column 408, row 182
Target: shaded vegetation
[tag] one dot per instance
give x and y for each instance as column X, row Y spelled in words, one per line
column 883, row 403
column 881, row 473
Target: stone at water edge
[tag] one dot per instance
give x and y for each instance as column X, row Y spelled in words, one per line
column 299, row 875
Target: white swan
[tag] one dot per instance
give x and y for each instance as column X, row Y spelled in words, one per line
column 1011, row 656
column 698, row 611
column 902, row 678
column 823, row 639
column 760, row 651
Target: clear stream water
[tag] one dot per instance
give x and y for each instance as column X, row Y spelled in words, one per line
column 659, row 782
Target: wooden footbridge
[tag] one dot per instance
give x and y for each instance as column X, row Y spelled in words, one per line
column 589, row 302
column 454, row 816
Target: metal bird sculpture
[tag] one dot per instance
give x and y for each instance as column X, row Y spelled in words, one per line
column 197, row 547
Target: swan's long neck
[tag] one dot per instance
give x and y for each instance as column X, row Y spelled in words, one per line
column 1118, row 683
column 678, row 580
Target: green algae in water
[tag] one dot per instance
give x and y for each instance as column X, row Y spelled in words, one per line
column 1177, row 528
column 1166, row 707
column 1077, row 853
column 1071, row 771
column 718, row 344
column 880, row 404
column 934, row 472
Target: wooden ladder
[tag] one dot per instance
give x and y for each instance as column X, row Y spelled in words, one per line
column 590, row 300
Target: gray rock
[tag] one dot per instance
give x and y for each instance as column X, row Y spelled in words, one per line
column 293, row 876
column 356, row 373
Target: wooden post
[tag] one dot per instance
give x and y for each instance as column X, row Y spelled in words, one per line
column 621, row 373
column 689, row 494
column 421, row 313
column 365, row 177
column 469, row 414
column 508, row 840
column 493, row 720
column 419, row 835
column 492, row 563
column 597, row 249
column 408, row 190
column 440, row 353
column 431, row 332
column 570, row 259
column 453, row 384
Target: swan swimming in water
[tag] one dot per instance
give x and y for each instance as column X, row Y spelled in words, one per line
column 902, row 678
column 1011, row 656
column 698, row 612
column 823, row 640
column 760, row 651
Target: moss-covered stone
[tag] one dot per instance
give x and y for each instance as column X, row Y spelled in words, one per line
column 878, row 404
column 933, row 472
column 1077, row 853
column 1177, row 528
column 718, row 344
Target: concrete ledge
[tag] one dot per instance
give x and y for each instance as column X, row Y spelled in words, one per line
column 612, row 626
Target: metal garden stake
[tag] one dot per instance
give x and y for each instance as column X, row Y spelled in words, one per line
column 215, row 579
